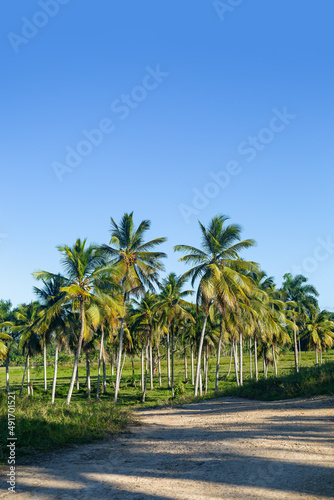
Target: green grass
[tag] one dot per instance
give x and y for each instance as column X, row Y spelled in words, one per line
column 41, row 427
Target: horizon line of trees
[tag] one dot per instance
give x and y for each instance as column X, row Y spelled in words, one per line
column 109, row 298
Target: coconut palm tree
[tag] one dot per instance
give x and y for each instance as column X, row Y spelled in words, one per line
column 137, row 264
column 219, row 270
column 172, row 308
column 319, row 332
column 303, row 295
column 85, row 277
column 27, row 317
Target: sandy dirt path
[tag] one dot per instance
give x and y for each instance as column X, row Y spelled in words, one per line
column 227, row 448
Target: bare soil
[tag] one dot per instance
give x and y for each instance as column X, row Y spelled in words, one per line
column 228, row 448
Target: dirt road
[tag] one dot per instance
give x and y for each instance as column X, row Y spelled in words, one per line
column 227, row 448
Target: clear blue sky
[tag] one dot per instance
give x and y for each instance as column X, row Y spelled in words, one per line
column 180, row 91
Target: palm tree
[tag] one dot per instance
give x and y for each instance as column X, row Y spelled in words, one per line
column 85, row 274
column 137, row 265
column 304, row 296
column 144, row 320
column 27, row 317
column 51, row 315
column 7, row 322
column 219, row 270
column 319, row 332
column 172, row 306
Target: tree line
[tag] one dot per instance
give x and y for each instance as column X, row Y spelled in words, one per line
column 111, row 298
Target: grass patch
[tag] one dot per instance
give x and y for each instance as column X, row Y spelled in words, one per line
column 41, row 427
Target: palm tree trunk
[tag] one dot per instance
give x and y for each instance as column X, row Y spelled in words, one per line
column 218, row 356
column 200, row 383
column 133, row 367
column 275, row 362
column 159, row 367
column 250, row 359
column 53, row 394
column 236, row 368
column 316, row 356
column 185, row 365
column 45, row 377
column 24, row 374
column 168, row 361
column 192, row 365
column 241, row 358
column 229, row 368
column 99, row 368
column 300, row 351
column 255, row 360
column 77, row 354
column 123, row 362
column 119, row 359
column 206, row 369
column 145, row 379
column 77, row 378
column 151, row 366
column 142, row 369
column 172, row 329
column 104, row 374
column 296, row 347
column 199, row 356
column 28, row 376
column 88, row 373
column 321, row 356
column 264, row 366
column 7, row 372
column 112, row 361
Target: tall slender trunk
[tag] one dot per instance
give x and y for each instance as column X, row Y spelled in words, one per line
column 28, row 376
column 218, row 355
column 230, row 366
column 124, row 356
column 88, row 373
column 255, row 359
column 99, row 367
column 53, row 394
column 300, row 351
column 206, row 368
column 192, row 365
column 295, row 346
column 77, row 354
column 316, row 356
column 159, row 367
column 104, row 373
column 45, row 377
column 77, row 378
column 241, row 358
column 112, row 361
column 145, row 378
column 200, row 382
column 250, row 359
column 24, row 374
column 119, row 359
column 185, row 365
column 275, row 362
column 151, row 365
column 133, row 367
column 172, row 330
column 235, row 355
column 7, row 372
column 142, row 369
column 168, row 361
column 320, row 356
column 264, row 366
column 199, row 356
